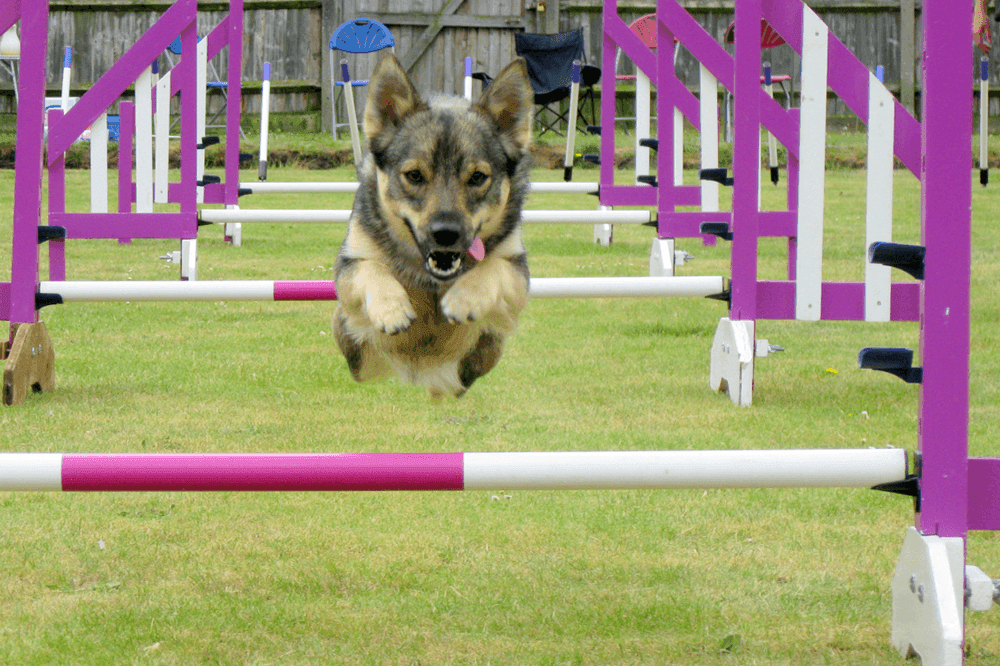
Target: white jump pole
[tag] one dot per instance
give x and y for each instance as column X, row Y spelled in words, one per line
column 66, row 75
column 574, row 100
column 352, row 113
column 562, row 470
column 265, row 119
column 468, row 79
column 339, row 216
column 628, row 287
column 984, row 119
column 350, row 188
column 325, row 290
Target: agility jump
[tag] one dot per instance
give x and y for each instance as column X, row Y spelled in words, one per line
column 954, row 493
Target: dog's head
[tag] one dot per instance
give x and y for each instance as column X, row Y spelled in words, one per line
column 451, row 176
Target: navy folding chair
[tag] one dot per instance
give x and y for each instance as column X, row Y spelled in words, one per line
column 550, row 68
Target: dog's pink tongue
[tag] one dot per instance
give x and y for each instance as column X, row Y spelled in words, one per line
column 478, row 250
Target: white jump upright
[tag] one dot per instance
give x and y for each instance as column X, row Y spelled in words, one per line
column 812, row 168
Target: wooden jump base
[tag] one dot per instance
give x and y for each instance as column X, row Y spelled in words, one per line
column 818, row 468
column 325, row 290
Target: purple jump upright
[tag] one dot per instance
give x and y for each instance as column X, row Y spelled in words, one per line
column 932, row 588
column 21, row 298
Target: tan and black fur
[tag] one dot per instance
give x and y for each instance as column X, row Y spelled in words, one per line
column 440, row 175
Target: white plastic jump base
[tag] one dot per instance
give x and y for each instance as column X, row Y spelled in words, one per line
column 731, row 368
column 269, row 290
column 928, row 604
column 338, row 216
column 350, row 188
column 817, row 468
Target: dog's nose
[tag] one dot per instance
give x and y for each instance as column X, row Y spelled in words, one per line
column 446, row 229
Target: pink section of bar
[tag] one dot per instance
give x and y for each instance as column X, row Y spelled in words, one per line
column 305, row 291
column 262, row 472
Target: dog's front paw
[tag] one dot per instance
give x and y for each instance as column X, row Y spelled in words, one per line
column 461, row 306
column 391, row 314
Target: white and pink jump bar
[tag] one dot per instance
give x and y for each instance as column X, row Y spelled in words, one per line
column 97, row 472
column 325, row 290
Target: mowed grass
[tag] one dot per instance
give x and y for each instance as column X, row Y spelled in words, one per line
column 769, row 577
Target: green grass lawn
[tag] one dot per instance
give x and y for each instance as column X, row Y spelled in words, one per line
column 734, row 578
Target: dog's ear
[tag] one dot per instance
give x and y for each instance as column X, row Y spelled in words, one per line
column 509, row 102
column 391, row 98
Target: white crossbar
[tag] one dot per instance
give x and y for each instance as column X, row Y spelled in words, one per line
column 334, row 216
column 817, row 468
column 350, row 188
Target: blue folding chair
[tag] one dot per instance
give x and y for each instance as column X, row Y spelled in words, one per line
column 359, row 35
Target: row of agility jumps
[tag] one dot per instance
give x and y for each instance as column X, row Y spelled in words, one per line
column 954, row 493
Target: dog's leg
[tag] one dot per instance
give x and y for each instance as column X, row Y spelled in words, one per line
column 363, row 361
column 481, row 359
column 495, row 292
column 366, row 289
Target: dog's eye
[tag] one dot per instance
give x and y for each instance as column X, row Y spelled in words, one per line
column 415, row 177
column 477, row 179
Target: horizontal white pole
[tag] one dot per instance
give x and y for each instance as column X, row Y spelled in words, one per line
column 627, row 287
column 274, row 216
column 334, row 216
column 566, row 188
column 299, row 188
column 155, row 290
column 586, row 216
column 817, row 468
column 270, row 290
column 347, row 188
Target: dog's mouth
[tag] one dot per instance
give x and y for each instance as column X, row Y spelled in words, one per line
column 444, row 265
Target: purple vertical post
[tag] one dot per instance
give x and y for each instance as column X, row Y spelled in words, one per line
column 57, row 204
column 945, row 220
column 665, row 76
column 234, row 104
column 746, row 159
column 125, row 145
column 608, row 47
column 187, row 74
column 28, row 163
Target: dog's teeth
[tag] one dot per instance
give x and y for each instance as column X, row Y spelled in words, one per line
column 435, row 261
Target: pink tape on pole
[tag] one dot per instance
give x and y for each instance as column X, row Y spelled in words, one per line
column 305, row 291
column 262, row 472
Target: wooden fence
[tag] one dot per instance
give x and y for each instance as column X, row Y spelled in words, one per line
column 434, row 36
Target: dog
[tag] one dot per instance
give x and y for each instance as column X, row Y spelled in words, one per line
column 433, row 273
